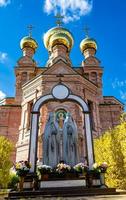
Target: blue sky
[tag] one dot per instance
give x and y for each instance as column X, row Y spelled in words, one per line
column 106, row 19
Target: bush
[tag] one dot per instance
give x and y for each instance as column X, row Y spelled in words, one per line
column 6, row 148
column 111, row 147
column 14, row 179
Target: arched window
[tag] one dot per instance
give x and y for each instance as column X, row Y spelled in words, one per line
column 94, row 77
column 24, row 77
column 90, row 105
column 30, row 105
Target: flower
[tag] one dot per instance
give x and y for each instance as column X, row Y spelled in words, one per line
column 95, row 166
column 22, row 168
column 44, row 169
column 103, row 167
column 62, row 167
column 98, row 168
column 81, row 167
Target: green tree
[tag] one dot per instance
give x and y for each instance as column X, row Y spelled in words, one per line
column 6, row 148
column 111, row 147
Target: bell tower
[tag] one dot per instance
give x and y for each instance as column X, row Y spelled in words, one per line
column 91, row 65
column 26, row 65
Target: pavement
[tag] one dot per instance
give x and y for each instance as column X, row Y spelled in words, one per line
column 103, row 197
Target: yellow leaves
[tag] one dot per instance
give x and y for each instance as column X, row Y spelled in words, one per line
column 5, row 163
column 111, row 148
column 5, row 148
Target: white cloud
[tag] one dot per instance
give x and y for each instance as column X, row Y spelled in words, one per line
column 123, row 95
column 2, row 95
column 4, row 3
column 3, row 57
column 70, row 9
column 118, row 84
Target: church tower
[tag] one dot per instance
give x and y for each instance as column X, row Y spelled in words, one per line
column 59, row 42
column 26, row 66
column 91, row 65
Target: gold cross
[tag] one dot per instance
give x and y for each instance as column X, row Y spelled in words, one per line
column 86, row 30
column 30, row 28
column 59, row 19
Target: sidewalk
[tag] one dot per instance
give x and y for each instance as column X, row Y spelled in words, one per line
column 106, row 197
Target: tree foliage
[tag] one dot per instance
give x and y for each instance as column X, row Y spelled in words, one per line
column 111, row 148
column 6, row 148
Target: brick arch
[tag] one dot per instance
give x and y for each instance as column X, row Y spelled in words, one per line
column 34, row 127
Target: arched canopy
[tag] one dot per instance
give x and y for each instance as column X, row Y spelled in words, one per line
column 50, row 97
column 65, row 96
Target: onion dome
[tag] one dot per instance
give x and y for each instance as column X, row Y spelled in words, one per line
column 58, row 35
column 88, row 43
column 28, row 42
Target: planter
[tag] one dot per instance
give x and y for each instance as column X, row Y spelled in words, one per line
column 89, row 180
column 102, row 180
column 70, row 176
column 81, row 175
column 92, row 179
column 44, row 177
column 96, row 175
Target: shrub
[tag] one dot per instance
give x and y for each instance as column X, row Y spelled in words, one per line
column 6, row 148
column 14, row 179
column 111, row 147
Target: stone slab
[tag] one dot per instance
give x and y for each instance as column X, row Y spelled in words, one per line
column 63, row 183
column 27, row 185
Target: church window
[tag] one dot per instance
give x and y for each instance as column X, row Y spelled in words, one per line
column 90, row 105
column 24, row 77
column 30, row 105
column 94, row 77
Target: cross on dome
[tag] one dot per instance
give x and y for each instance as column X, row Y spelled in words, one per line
column 59, row 18
column 30, row 28
column 86, row 30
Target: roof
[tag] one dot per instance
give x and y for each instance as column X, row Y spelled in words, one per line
column 114, row 98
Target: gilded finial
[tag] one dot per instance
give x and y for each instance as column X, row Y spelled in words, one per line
column 30, row 28
column 28, row 41
column 59, row 18
column 86, row 30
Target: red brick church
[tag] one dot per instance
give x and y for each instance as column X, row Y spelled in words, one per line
column 33, row 81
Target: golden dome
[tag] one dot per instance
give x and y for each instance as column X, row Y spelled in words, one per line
column 58, row 35
column 28, row 42
column 88, row 43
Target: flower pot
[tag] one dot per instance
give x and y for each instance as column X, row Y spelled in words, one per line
column 89, row 180
column 44, row 177
column 69, row 176
column 102, row 178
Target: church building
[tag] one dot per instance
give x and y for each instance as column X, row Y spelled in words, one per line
column 33, row 81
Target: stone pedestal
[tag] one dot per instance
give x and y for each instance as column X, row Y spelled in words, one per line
column 62, row 184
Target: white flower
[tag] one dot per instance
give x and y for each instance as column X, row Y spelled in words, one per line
column 95, row 166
